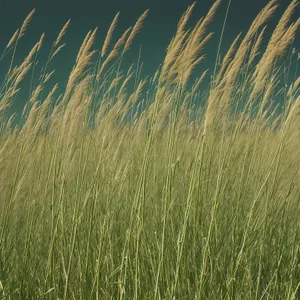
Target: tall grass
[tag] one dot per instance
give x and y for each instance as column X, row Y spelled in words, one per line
column 107, row 194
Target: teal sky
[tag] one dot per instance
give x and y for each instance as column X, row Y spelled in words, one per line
column 158, row 29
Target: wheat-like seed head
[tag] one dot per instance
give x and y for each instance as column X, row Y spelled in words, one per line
column 83, row 45
column 121, row 40
column 227, row 59
column 185, row 18
column 41, row 41
column 62, row 33
column 86, row 50
column 36, row 93
column 48, row 76
column 46, row 104
column 83, row 59
column 294, row 87
column 198, row 82
column 294, row 113
column 279, row 42
column 254, row 50
column 173, row 53
column 136, row 28
column 6, row 100
column 113, row 53
column 22, row 74
column 30, row 55
column 262, row 18
column 125, row 82
column 109, row 35
column 57, row 51
column 26, row 23
column 182, row 56
column 13, row 39
column 30, row 121
column 203, row 25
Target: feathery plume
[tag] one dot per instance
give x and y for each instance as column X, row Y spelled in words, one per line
column 109, row 35
column 88, row 45
column 121, row 40
column 40, row 42
column 13, row 39
column 36, row 93
column 57, row 51
column 255, row 48
column 26, row 23
column 22, row 74
column 83, row 45
column 62, row 33
column 48, row 76
column 227, row 58
column 136, row 28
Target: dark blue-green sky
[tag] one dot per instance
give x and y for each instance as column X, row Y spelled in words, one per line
column 158, row 28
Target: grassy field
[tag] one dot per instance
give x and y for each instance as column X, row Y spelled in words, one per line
column 147, row 194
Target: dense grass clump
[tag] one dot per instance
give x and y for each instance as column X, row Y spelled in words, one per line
column 107, row 194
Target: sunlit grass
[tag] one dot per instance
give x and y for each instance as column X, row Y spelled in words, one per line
column 133, row 198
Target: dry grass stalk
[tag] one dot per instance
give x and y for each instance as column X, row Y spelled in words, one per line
column 109, row 35
column 196, row 37
column 198, row 82
column 227, row 59
column 27, row 60
column 264, row 68
column 255, row 49
column 183, row 20
column 155, row 76
column 291, row 124
column 75, row 109
column 162, row 116
column 22, row 74
column 41, row 41
column 83, row 59
column 8, row 125
column 268, row 93
column 136, row 28
column 57, row 51
column 83, row 45
column 213, row 110
column 26, row 23
column 134, row 97
column 125, row 82
column 7, row 99
column 13, row 39
column 186, row 61
column 121, row 40
column 62, row 33
column 45, row 107
column 112, row 85
column 169, row 67
column 232, row 73
column 48, row 76
column 87, row 49
column 180, row 30
column 225, row 86
column 36, row 93
column 280, row 40
column 262, row 18
column 176, row 45
column 29, row 125
column 294, row 87
column 113, row 53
